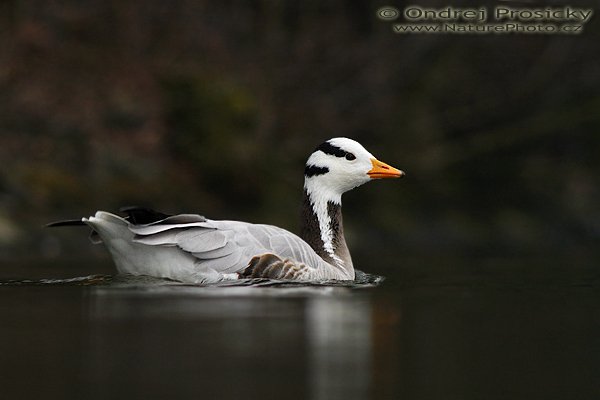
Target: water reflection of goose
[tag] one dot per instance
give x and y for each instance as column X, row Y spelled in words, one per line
column 191, row 248
column 339, row 337
column 313, row 342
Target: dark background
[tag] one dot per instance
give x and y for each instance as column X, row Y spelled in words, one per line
column 489, row 245
column 189, row 106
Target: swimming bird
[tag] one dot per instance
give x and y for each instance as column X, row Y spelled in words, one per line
column 193, row 249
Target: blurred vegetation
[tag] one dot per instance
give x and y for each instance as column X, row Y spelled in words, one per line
column 213, row 108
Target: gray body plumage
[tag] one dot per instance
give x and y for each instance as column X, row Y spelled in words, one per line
column 191, row 248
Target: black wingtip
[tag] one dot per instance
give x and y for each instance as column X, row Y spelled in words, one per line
column 135, row 215
column 67, row 222
column 142, row 215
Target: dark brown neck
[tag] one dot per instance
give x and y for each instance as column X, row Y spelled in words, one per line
column 318, row 214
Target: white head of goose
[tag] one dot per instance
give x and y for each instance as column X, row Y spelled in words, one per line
column 191, row 248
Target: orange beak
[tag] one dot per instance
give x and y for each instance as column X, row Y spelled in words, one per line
column 382, row 170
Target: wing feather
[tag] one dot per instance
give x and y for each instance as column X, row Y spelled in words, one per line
column 153, row 229
column 201, row 240
column 224, row 246
column 226, row 250
column 165, row 238
column 230, row 263
column 181, row 219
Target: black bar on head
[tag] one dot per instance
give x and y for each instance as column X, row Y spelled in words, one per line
column 312, row 170
column 330, row 149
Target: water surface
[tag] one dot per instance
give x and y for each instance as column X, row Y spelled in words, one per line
column 424, row 333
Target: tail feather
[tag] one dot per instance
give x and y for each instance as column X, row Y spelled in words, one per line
column 106, row 227
column 66, row 222
column 95, row 222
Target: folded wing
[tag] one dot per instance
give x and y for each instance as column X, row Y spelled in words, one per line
column 224, row 246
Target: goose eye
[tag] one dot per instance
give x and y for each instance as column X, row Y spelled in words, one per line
column 350, row 156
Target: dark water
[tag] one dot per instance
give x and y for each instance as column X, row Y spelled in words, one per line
column 489, row 331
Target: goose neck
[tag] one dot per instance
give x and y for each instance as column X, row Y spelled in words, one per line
column 322, row 227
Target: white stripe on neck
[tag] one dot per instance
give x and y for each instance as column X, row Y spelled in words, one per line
column 320, row 197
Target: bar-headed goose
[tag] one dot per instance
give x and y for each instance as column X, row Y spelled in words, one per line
column 191, row 248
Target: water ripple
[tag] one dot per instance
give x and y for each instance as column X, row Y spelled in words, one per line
column 363, row 280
